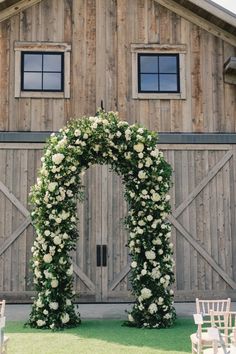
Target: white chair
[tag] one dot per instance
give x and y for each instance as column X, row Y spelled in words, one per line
column 3, row 338
column 201, row 338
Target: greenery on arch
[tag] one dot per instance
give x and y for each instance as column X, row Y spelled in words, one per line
column 132, row 152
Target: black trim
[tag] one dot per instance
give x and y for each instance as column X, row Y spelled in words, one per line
column 164, row 138
column 177, row 74
column 42, row 71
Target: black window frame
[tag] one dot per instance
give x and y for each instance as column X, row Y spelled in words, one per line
column 42, row 71
column 176, row 55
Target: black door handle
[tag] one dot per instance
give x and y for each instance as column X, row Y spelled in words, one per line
column 101, row 255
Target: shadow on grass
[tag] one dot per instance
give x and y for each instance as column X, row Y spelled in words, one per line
column 171, row 339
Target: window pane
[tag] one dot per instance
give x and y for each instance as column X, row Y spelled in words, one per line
column 168, row 83
column 168, row 64
column 32, row 62
column 148, row 64
column 149, row 82
column 52, row 81
column 52, row 62
column 32, row 81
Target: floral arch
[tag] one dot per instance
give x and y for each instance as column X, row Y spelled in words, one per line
column 133, row 153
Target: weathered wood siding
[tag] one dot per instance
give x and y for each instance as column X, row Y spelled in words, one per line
column 203, row 196
column 203, row 218
column 101, row 33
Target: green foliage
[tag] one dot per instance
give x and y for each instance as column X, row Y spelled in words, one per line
column 132, row 152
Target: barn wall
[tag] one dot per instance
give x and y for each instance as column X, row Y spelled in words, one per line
column 203, row 196
column 101, row 33
column 203, row 224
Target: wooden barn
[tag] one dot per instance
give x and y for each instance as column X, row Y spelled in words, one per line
column 169, row 65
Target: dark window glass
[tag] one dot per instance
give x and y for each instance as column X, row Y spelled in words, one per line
column 149, row 82
column 42, row 71
column 158, row 73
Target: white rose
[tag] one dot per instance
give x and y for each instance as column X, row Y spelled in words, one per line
column 54, row 283
column 68, row 302
column 149, row 217
column 52, row 186
column 57, row 240
column 141, row 175
column 47, row 233
column 40, row 323
column 134, row 264
column 159, row 178
column 58, row 220
column 47, row 258
column 167, row 197
column 154, row 153
column 150, row 255
column 143, row 272
column 53, row 305
column 77, row 132
column 57, row 158
column 160, row 300
column 156, row 197
column 146, row 293
column 85, row 136
column 65, row 318
column 139, row 147
column 39, row 303
column 152, row 308
column 45, row 312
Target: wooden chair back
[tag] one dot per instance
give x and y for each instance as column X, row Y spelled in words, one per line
column 2, row 308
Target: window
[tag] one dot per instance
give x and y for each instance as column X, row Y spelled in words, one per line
column 42, row 69
column 158, row 71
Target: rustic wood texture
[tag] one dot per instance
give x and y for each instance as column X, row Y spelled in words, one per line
column 203, row 219
column 101, row 34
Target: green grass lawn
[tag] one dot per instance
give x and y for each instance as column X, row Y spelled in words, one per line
column 100, row 337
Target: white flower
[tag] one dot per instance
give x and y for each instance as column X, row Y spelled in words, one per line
column 45, row 312
column 85, row 136
column 130, row 318
column 142, row 175
column 40, row 323
column 141, row 223
column 52, row 186
column 57, row 240
column 150, row 254
column 143, row 272
column 152, row 308
column 160, row 300
column 47, row 258
column 156, row 197
column 134, row 264
column 47, row 232
column 39, row 303
column 139, row 147
column 58, row 220
column 159, row 178
column 167, row 197
column 57, row 158
column 70, row 270
column 146, row 293
column 54, row 283
column 65, row 318
column 148, row 162
column 77, row 132
column 53, row 305
column 68, row 302
column 154, row 153
column 149, row 217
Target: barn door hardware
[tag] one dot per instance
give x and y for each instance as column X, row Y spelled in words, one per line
column 101, row 255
